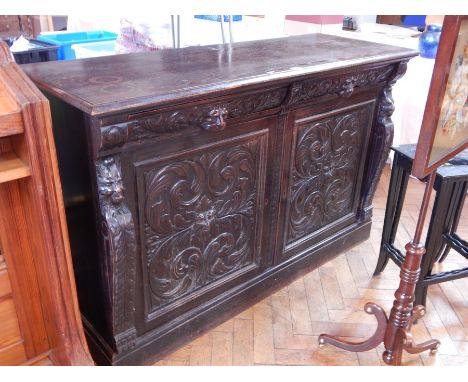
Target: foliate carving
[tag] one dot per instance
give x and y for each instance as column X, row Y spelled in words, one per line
column 253, row 103
column 382, row 136
column 324, row 171
column 119, row 248
column 343, row 85
column 200, row 218
column 165, row 122
column 211, row 117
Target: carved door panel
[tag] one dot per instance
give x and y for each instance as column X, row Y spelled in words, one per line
column 325, row 174
column 199, row 212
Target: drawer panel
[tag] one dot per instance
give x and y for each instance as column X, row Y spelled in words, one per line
column 210, row 116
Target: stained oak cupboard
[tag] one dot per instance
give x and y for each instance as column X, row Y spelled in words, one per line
column 197, row 181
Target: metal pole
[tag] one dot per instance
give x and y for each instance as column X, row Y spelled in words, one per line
column 231, row 39
column 178, row 31
column 173, row 32
column 222, row 28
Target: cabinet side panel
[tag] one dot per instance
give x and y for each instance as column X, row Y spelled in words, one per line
column 69, row 127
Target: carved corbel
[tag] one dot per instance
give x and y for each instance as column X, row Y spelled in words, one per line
column 119, row 246
column 382, row 137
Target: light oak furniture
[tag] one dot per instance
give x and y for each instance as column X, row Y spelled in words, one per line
column 198, row 180
column 39, row 316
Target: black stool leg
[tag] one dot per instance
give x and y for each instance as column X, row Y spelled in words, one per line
column 437, row 226
column 460, row 201
column 395, row 199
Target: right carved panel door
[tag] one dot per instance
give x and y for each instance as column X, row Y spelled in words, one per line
column 324, row 175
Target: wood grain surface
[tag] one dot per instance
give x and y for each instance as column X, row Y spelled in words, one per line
column 103, row 85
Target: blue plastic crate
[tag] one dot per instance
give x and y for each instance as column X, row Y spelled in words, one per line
column 218, row 18
column 66, row 39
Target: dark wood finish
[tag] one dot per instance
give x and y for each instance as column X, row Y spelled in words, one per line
column 187, row 175
column 145, row 80
column 33, row 233
column 451, row 184
column 445, row 51
column 402, row 314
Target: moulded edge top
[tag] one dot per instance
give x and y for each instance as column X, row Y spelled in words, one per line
column 237, row 66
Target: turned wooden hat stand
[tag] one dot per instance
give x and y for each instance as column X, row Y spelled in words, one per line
column 395, row 331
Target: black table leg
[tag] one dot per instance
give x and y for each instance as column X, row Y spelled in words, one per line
column 396, row 197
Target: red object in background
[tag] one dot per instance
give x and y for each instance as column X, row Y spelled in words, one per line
column 316, row 19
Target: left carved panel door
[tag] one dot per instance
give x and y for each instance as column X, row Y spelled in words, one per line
column 199, row 204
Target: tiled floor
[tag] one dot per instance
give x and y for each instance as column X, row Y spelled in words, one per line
column 283, row 328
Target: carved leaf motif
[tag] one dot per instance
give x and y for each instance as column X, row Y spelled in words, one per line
column 199, row 219
column 324, row 171
column 343, row 85
column 255, row 102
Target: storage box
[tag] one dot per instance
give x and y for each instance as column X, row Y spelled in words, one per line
column 94, row 49
column 39, row 51
column 218, row 18
column 66, row 39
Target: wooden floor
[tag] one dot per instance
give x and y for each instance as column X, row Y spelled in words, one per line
column 283, row 328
